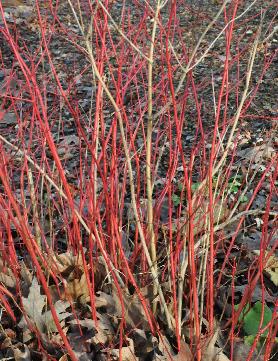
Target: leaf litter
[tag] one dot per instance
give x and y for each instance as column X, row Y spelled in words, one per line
column 73, row 285
column 34, row 306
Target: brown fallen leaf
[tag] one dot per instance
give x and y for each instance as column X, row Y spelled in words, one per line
column 241, row 351
column 185, row 354
column 22, row 355
column 103, row 328
column 271, row 267
column 211, row 352
column 70, row 268
column 64, row 358
column 7, row 277
column 61, row 262
column 34, row 308
column 167, row 353
column 133, row 312
column 200, row 217
column 265, row 151
column 127, row 352
column 105, row 331
column 78, row 289
column 13, row 3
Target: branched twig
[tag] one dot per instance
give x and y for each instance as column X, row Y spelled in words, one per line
column 131, row 178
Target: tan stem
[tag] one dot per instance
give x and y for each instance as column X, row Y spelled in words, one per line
column 149, row 153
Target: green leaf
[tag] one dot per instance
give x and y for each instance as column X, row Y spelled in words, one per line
column 248, row 340
column 237, row 178
column 243, row 199
column 180, row 186
column 234, row 183
column 251, row 319
column 176, row 199
column 233, row 189
column 195, row 186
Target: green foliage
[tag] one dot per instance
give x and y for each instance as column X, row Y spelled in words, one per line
column 251, row 318
column 195, row 186
column 176, row 199
column 234, row 185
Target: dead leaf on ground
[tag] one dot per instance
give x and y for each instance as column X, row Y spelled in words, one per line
column 78, row 289
column 241, row 351
column 87, row 323
column 64, row 358
column 33, row 306
column 61, row 262
column 127, row 352
column 105, row 331
column 22, row 355
column 70, row 267
column 256, row 294
column 200, row 217
column 142, row 343
column 167, row 354
column 265, row 151
column 271, row 267
column 211, row 352
column 6, row 276
column 133, row 313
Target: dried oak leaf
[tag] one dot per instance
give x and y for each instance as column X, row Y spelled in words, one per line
column 22, row 355
column 71, row 268
column 33, row 306
column 61, row 262
column 104, row 331
column 78, row 289
column 7, row 276
column 167, row 354
column 143, row 344
column 265, row 151
column 212, row 352
column 127, row 352
column 133, row 313
column 271, row 267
